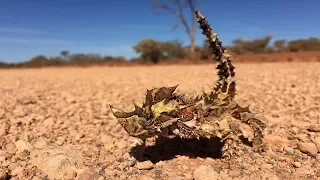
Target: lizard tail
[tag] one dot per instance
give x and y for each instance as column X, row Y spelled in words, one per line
column 226, row 82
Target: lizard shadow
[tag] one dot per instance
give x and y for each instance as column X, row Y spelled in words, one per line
column 168, row 148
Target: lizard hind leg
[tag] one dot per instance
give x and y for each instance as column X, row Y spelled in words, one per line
column 258, row 127
column 231, row 145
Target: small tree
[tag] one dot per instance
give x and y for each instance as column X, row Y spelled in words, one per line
column 172, row 49
column 37, row 61
column 149, row 49
column 280, row 45
column 205, row 51
column 258, row 45
column 3, row 64
column 176, row 8
column 65, row 54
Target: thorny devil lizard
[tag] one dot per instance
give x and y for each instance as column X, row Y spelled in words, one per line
column 213, row 114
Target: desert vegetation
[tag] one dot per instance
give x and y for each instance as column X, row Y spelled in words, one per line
column 152, row 51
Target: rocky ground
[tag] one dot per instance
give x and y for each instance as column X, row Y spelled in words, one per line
column 56, row 123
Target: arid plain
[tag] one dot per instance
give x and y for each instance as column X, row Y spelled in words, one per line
column 56, row 123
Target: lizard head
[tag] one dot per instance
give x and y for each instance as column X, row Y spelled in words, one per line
column 141, row 122
column 133, row 124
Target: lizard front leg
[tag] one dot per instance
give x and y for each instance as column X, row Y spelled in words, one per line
column 139, row 146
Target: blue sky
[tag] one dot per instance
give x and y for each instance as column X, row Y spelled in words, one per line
column 111, row 27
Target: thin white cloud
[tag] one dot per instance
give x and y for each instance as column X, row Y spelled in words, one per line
column 148, row 27
column 254, row 29
column 118, row 49
column 11, row 40
column 167, row 27
column 22, row 30
column 128, row 28
column 122, row 50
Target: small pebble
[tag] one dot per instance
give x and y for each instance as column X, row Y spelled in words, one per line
column 234, row 173
column 296, row 164
column 289, row 150
column 16, row 171
column 267, row 166
column 205, row 173
column 145, row 165
column 157, row 173
column 11, row 148
column 3, row 174
column 308, row 148
column 185, row 167
column 218, row 169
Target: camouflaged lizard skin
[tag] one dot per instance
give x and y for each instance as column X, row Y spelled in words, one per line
column 211, row 114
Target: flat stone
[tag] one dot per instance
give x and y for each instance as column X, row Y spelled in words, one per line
column 145, row 165
column 308, row 148
column 205, row 173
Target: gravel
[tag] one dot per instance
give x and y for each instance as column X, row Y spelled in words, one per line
column 56, row 123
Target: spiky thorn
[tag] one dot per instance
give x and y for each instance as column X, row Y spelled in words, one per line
column 224, row 64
